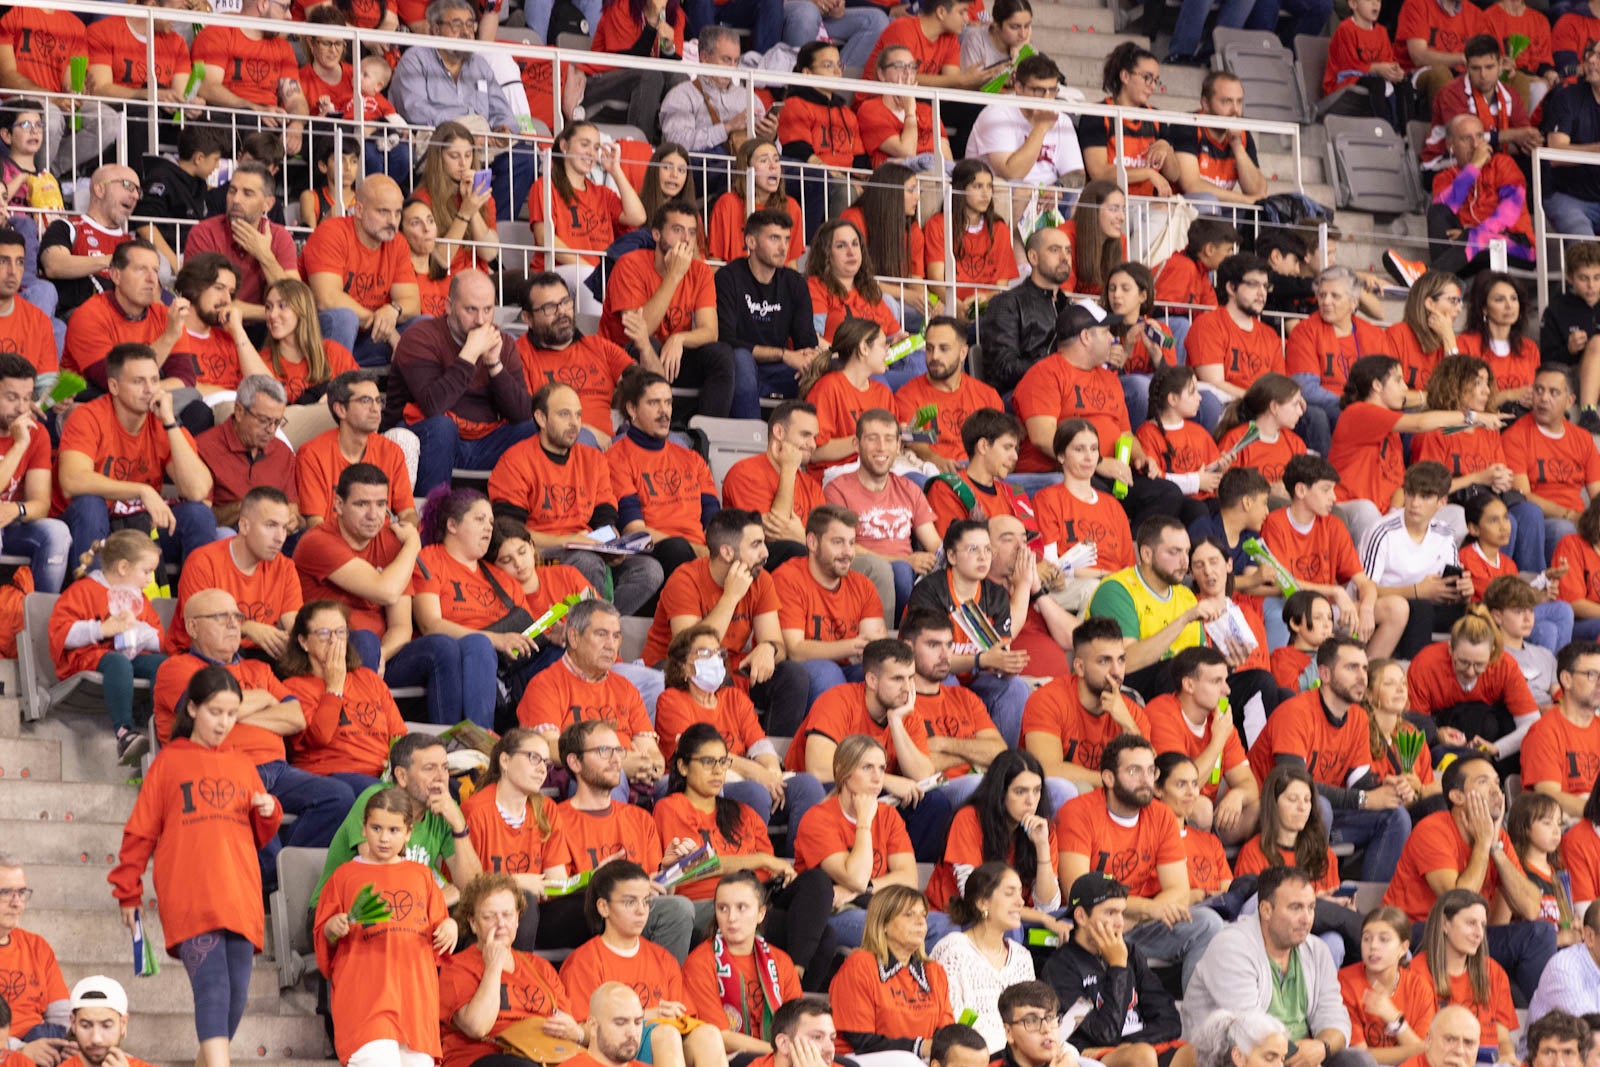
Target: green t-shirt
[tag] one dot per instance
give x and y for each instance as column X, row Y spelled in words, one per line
column 1288, row 1003
column 431, row 841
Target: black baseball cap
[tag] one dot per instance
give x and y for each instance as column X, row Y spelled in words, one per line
column 1091, row 890
column 1074, row 319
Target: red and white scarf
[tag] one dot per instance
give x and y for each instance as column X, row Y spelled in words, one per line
column 730, row 987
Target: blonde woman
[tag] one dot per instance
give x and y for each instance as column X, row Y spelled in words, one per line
column 301, row 358
column 888, row 996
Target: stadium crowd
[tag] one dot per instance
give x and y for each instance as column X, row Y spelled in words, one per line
column 1077, row 580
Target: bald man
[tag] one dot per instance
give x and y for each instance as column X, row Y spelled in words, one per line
column 75, row 254
column 1479, row 196
column 1452, row 1040
column 361, row 263
column 614, row 1029
column 458, row 384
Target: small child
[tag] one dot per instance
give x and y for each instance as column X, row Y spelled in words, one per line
column 388, row 150
column 1309, row 617
column 385, row 977
column 1512, row 603
column 1534, row 827
column 29, row 189
column 1379, row 992
column 1171, row 437
column 104, row 623
column 1361, row 53
column 323, row 201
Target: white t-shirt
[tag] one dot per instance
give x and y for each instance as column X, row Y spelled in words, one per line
column 1003, row 128
column 1391, row 558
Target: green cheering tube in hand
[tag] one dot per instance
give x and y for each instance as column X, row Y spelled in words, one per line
column 1124, row 453
column 1258, row 551
column 903, row 348
column 77, row 81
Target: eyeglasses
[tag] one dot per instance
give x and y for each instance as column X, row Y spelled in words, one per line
column 367, row 401
column 28, row 124
column 1031, row 1023
column 712, row 763
column 1148, row 78
column 127, row 183
column 553, row 307
column 233, row 617
column 270, row 424
column 327, row 633
column 976, row 550
column 709, row 653
column 605, row 751
column 1591, row 676
column 24, row 895
column 534, row 759
column 900, row 66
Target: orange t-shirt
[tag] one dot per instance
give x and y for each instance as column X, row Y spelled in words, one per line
column 1216, row 340
column 676, row 817
column 842, row 711
column 984, row 255
column 669, row 485
column 1171, row 731
column 834, row 309
column 879, row 123
column 1413, row 995
column 384, row 979
column 590, row 365
column 561, row 698
column 266, row 596
column 824, row 614
column 35, row 457
column 252, row 68
column 559, row 497
column 1496, row 1012
column 318, row 464
column 752, row 484
column 215, row 356
column 963, row 847
column 1184, row 450
column 1582, row 580
column 1324, row 556
column 1056, row 710
column 957, row 713
column 1299, row 727
column 113, row 452
column 1208, row 863
column 1512, row 371
column 839, row 403
column 323, row 550
column 634, row 281
column 1066, row 520
column 954, row 407
column 1580, row 855
column 1288, row 664
column 1427, row 21
column 593, row 837
column 826, row 830
column 557, row 581
column 1367, row 453
column 84, row 599
column 1054, row 388
column 26, row 331
column 255, row 743
column 1268, row 458
column 1436, row 844
column 467, row 595
column 864, row 1003
column 833, row 132
column 906, row 32
column 651, row 972
column 1129, row 854
column 33, row 980
column 296, row 374
column 1532, row 24
column 691, row 591
column 1315, row 349
column 194, row 812
column 1481, row 571
column 1181, row 280
column 43, row 42
column 113, row 45
column 505, row 849
column 366, row 274
column 532, row 988
column 1557, row 468
column 915, row 251
column 701, row 986
column 586, row 222
column 1432, row 684
column 726, row 232
column 1558, row 750
column 1462, row 453
column 734, row 717
column 349, row 734
column 1253, row 860
column 1415, row 364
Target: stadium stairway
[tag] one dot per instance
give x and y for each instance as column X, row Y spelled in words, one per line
column 62, row 816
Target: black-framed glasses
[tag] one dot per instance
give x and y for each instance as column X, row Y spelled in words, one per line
column 713, row 763
column 271, row 424
column 1031, row 1023
column 23, row 895
column 535, row 760
column 327, row 633
column 554, row 306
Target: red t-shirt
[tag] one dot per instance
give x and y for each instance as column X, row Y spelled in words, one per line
column 93, row 430
column 1324, row 556
column 319, row 462
column 561, row 698
column 1171, row 731
column 1334, row 755
column 1065, row 520
column 1427, row 21
column 1413, row 995
column 1558, row 750
column 1432, row 684
column 1056, row 711
column 1055, row 388
column 1131, row 855
column 366, row 274
column 634, row 280
column 1366, row 451
column 1436, row 844
column 822, row 614
column 676, row 818
column 826, row 830
column 323, row 550
column 841, row 712
column 587, row 221
column 983, row 256
column 43, row 43
column 532, row 988
column 256, row 69
column 1216, row 340
column 690, row 590
column 669, row 485
column 839, row 403
column 1352, row 51
column 1315, row 349
column 900, row 1007
column 113, row 45
column 970, row 395
column 592, row 366
column 1557, row 468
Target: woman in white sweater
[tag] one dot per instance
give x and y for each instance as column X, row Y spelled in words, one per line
column 979, row 959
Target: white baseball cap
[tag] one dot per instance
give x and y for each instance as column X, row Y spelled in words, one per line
column 98, row 991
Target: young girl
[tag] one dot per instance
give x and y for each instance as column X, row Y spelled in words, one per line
column 203, row 808
column 1390, row 1006
column 983, row 251
column 512, row 550
column 1455, row 963
column 301, row 358
column 1497, row 333
column 421, row 231
column 1178, row 787
column 586, row 216
column 463, row 211
column 1386, row 703
column 29, row 186
column 760, row 156
column 1142, row 343
column 735, row 978
column 979, row 960
column 1098, row 231
column 1178, row 444
column 323, row 199
column 384, row 978
column 886, row 215
column 104, row 623
column 842, row 384
column 1534, row 827
column 1486, row 557
column 1274, row 405
column 1076, row 511
column 1309, row 617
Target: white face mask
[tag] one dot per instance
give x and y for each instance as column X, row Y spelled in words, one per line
column 709, row 674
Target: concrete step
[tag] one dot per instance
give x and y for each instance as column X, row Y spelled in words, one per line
column 30, row 758
column 88, row 746
column 10, row 714
column 70, row 886
column 168, row 1036
column 91, row 845
column 74, row 802
column 170, row 991
column 1060, row 40
column 1081, row 19
column 1279, row 166
column 95, row 937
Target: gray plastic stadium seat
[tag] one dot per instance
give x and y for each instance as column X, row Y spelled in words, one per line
column 1259, row 60
column 729, row 440
column 41, row 688
column 290, row 906
column 1371, row 167
column 1311, row 63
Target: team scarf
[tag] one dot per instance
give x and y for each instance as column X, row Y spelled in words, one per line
column 1495, row 114
column 730, row 988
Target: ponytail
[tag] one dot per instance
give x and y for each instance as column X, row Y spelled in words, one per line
column 1476, row 627
column 124, row 546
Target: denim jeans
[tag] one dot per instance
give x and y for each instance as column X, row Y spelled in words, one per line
column 1184, row 941
column 1527, row 537
column 1136, row 395
column 1004, row 695
column 444, row 449
column 1552, row 625
column 459, row 672
column 752, row 380
column 46, row 543
column 319, row 804
column 855, row 31
column 1567, row 214
column 511, row 176
column 1186, row 35
column 823, row 674
column 1322, row 411
column 339, row 324
column 118, row 673
column 395, row 162
column 1380, row 834
column 89, row 519
column 1301, row 16
column 765, row 18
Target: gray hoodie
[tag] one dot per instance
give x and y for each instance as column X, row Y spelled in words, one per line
column 1236, row 974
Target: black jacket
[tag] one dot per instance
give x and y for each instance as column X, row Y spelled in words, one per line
column 171, row 193
column 1130, row 1003
column 1565, row 312
column 1018, row 329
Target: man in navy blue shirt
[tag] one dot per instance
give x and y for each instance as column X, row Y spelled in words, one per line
column 764, row 315
column 1572, row 120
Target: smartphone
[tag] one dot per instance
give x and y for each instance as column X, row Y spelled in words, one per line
column 1452, row 570
column 481, row 180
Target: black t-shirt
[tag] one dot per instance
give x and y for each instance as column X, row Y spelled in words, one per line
column 933, row 591
column 1194, row 141
column 1574, row 112
column 1565, row 311
column 776, row 314
column 72, row 292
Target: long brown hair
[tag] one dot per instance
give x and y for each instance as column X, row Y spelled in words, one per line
column 819, row 264
column 560, row 180
column 506, row 748
column 1094, row 255
column 650, row 194
column 1311, row 843
column 444, row 193
column 307, row 332
column 1435, row 946
column 295, row 661
column 1415, row 315
column 779, row 200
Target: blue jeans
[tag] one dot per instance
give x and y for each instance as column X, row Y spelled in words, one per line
column 1184, row 941
column 46, row 543
column 1004, row 695
column 396, row 162
column 339, row 324
column 511, row 178
column 1303, row 16
column 1322, row 411
column 1032, row 483
column 855, row 31
column 753, row 380
column 444, row 449
column 1136, row 394
column 459, row 673
column 1554, row 531
column 89, row 519
column 850, row 924
column 764, row 17
column 318, row 804
column 904, row 578
column 1523, row 949
column 537, row 13
column 823, row 674
column 1527, row 537
column 1552, row 625
column 801, row 793
column 1380, row 834
column 1566, row 214
column 1186, row 39
column 118, row 672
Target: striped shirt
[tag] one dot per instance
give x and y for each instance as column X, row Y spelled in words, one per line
column 1391, row 558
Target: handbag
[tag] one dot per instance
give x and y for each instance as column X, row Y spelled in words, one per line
column 1170, row 235
column 526, row 1038
column 736, row 138
column 516, row 619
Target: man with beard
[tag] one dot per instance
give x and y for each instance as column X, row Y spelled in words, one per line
column 75, row 254
column 253, row 568
column 1156, row 612
column 132, row 432
column 961, row 735
column 1068, row 723
column 458, row 384
column 764, row 315
column 662, row 304
column 25, row 329
column 1047, row 631
column 356, row 404
column 365, row 560
column 25, row 476
column 100, row 1024
column 946, row 387
column 254, row 70
column 131, row 312
column 615, row 1028
column 1557, row 465
column 561, row 490
column 1324, row 731
column 894, row 521
column 361, row 263
column 828, row 614
column 1213, row 168
column 214, row 338
column 731, row 591
column 554, row 352
column 1119, row 831
column 1272, row 963
column 1561, row 751
column 246, row 452
column 600, row 828
column 1019, row 325
column 261, row 251
column 1464, row 847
